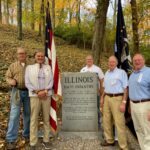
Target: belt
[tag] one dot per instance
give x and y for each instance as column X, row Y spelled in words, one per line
column 114, row 95
column 141, row 101
column 23, row 89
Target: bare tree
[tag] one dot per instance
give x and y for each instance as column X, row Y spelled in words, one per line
column 135, row 26
column 70, row 10
column 32, row 10
column 78, row 14
column 53, row 13
column 19, row 18
column 12, row 15
column 7, row 11
column 100, row 23
column 114, row 15
column 0, row 11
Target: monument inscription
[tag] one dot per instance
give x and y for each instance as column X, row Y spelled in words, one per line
column 79, row 109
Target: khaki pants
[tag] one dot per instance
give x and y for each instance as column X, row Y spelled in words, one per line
column 36, row 104
column 139, row 112
column 111, row 112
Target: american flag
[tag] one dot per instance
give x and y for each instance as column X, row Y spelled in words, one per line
column 50, row 53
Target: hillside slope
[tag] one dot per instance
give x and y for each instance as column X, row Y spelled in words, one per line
column 70, row 58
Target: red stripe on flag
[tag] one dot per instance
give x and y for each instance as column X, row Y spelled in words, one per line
column 53, row 104
column 56, row 77
column 53, row 123
column 51, row 36
column 51, row 53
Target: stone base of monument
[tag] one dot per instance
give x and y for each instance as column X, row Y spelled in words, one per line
column 83, row 135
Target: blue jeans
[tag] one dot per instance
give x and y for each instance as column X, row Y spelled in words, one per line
column 13, row 124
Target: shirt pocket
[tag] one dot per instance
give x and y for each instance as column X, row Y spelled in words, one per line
column 143, row 83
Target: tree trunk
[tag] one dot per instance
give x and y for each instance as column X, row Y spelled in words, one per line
column 78, row 14
column 0, row 11
column 32, row 11
column 114, row 15
column 43, row 21
column 53, row 13
column 19, row 18
column 12, row 16
column 71, row 7
column 70, row 14
column 135, row 26
column 100, row 23
column 7, row 11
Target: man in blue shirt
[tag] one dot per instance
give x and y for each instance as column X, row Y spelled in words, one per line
column 113, row 103
column 139, row 93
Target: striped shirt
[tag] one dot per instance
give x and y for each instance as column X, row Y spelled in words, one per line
column 16, row 71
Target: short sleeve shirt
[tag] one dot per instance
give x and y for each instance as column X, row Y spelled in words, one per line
column 94, row 69
column 115, row 81
column 139, row 84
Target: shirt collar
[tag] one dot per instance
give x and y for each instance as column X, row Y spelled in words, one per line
column 39, row 65
column 20, row 62
column 113, row 70
column 141, row 70
column 89, row 67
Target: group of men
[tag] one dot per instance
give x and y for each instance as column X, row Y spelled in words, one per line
column 36, row 81
column 114, row 98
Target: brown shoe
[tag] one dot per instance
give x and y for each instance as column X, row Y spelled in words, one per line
column 104, row 143
column 11, row 145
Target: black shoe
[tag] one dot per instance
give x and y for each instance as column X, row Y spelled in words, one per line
column 11, row 145
column 104, row 143
column 47, row 145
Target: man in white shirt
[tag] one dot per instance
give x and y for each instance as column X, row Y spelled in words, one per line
column 90, row 67
column 39, row 81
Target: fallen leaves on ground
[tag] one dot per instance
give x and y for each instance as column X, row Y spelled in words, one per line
column 70, row 59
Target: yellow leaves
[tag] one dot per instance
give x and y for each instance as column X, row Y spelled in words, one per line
column 60, row 4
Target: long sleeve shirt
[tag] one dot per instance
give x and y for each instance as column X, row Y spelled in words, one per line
column 37, row 78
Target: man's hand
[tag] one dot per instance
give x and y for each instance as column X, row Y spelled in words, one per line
column 42, row 94
column 122, row 107
column 13, row 82
column 148, row 116
column 101, row 103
